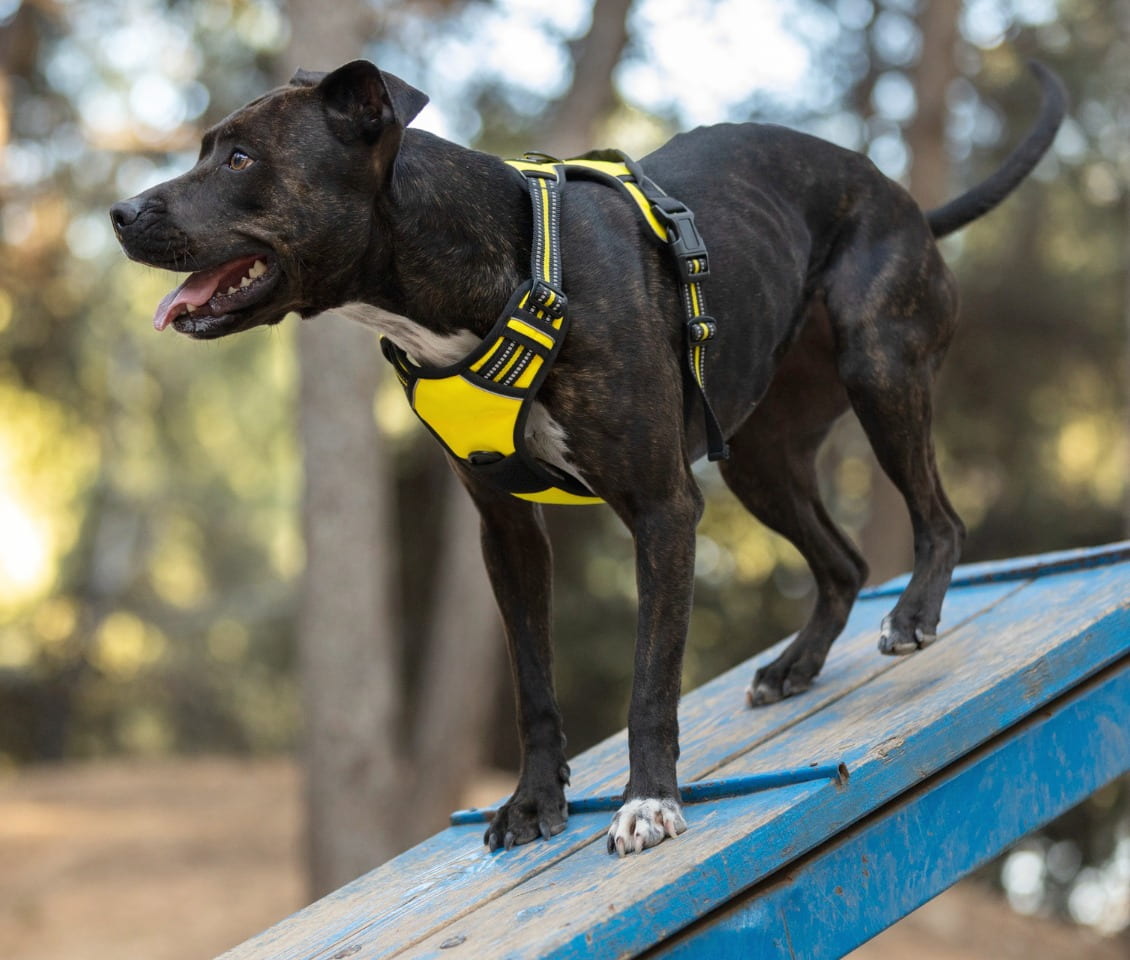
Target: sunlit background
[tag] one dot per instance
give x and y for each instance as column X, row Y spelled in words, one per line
column 150, row 488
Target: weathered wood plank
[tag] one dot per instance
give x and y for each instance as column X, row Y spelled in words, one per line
column 538, row 899
column 451, row 872
column 1019, row 568
column 904, row 725
column 874, row 873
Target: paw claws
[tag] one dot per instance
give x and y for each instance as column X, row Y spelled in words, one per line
column 643, row 823
column 760, row 694
column 672, row 827
column 924, row 639
column 527, row 815
column 791, row 687
column 894, row 642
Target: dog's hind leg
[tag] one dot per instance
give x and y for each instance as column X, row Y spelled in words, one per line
column 772, row 472
column 519, row 562
column 894, row 317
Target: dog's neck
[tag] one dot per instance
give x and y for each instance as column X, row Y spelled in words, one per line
column 451, row 239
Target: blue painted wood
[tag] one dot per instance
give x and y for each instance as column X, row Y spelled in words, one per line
column 1013, row 644
column 859, row 883
column 896, row 743
column 1023, row 568
column 457, row 872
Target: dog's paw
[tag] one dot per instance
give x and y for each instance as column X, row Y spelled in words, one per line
column 772, row 683
column 898, row 641
column 640, row 824
column 527, row 816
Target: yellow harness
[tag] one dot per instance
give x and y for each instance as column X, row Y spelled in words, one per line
column 478, row 408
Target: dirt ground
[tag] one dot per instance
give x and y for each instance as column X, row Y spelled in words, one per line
column 181, row 860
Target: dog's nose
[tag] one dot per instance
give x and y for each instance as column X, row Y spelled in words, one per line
column 125, row 212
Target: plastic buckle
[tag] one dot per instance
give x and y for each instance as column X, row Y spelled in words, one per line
column 550, row 168
column 701, row 329
column 684, row 239
column 548, row 298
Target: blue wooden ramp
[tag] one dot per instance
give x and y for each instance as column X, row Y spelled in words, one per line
column 1019, row 711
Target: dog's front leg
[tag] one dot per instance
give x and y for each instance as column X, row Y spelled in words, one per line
column 664, row 536
column 519, row 563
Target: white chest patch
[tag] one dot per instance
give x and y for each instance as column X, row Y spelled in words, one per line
column 545, row 437
column 422, row 345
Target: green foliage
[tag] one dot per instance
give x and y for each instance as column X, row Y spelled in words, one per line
column 148, row 491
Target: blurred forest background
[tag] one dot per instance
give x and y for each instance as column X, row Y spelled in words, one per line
column 250, row 547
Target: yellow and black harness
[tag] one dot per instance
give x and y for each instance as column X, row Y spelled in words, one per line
column 478, row 408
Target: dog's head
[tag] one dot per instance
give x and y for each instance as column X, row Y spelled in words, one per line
column 278, row 212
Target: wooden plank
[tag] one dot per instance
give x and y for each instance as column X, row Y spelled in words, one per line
column 1018, row 568
column 904, row 725
column 715, row 723
column 452, row 875
column 889, row 864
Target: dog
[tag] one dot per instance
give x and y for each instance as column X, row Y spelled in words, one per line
column 828, row 292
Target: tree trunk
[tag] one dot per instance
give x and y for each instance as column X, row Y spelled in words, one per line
column 886, row 537
column 926, row 133
column 576, row 116
column 349, row 653
column 462, row 670
column 348, row 647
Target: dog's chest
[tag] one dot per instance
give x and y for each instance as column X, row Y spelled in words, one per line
column 545, row 437
column 421, row 344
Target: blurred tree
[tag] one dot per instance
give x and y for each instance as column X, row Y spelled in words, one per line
column 348, row 637
column 571, row 123
column 378, row 775
column 886, row 538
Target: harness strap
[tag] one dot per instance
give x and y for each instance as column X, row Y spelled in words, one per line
column 478, row 407
column 688, row 250
column 544, row 182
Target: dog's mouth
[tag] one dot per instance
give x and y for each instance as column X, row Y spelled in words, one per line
column 213, row 302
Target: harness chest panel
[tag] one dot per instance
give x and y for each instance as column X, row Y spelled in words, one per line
column 478, row 407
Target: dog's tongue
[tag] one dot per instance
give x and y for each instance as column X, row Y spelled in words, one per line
column 197, row 290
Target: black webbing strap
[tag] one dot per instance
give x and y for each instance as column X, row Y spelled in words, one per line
column 692, row 263
column 545, row 181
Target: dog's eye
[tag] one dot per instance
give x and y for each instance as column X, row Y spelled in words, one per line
column 239, row 161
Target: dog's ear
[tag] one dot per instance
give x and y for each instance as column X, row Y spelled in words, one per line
column 307, row 78
column 363, row 102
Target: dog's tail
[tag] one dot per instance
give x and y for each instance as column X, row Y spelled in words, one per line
column 987, row 194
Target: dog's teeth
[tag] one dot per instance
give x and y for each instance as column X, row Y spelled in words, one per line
column 258, row 268
column 245, row 282
column 191, row 308
column 233, row 289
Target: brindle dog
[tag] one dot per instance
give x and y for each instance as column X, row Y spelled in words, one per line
column 829, row 293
